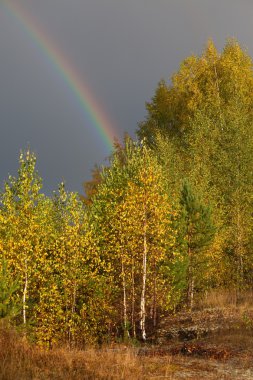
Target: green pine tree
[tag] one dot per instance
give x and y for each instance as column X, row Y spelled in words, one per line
column 198, row 230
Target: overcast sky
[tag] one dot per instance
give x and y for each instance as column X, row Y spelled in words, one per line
column 121, row 49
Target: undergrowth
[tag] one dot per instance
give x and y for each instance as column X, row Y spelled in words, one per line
column 20, row 360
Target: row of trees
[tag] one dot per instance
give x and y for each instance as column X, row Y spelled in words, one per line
column 201, row 128
column 78, row 273
column 167, row 220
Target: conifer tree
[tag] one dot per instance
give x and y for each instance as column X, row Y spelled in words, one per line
column 199, row 232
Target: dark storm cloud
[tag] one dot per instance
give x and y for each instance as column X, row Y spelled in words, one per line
column 120, row 48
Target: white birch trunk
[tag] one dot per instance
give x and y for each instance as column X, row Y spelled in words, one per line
column 25, row 293
column 154, row 300
column 191, row 293
column 126, row 333
column 144, row 277
column 133, row 301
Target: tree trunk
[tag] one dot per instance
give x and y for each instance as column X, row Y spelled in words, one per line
column 73, row 311
column 144, row 276
column 239, row 248
column 190, row 293
column 154, row 299
column 133, row 302
column 153, row 308
column 126, row 333
column 25, row 293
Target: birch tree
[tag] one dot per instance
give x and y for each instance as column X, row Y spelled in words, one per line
column 136, row 232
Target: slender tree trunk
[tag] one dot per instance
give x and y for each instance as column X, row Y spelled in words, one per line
column 73, row 308
column 190, row 294
column 144, row 277
column 126, row 333
column 153, row 308
column 25, row 293
column 154, row 299
column 190, row 290
column 239, row 244
column 73, row 311
column 133, row 301
column 239, row 251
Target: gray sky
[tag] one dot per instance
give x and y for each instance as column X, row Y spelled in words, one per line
column 121, row 49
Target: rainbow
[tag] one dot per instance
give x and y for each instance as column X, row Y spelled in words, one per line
column 66, row 70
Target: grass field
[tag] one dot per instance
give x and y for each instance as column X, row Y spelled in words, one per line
column 225, row 353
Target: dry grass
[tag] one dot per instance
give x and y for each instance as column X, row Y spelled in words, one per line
column 227, row 299
column 21, row 360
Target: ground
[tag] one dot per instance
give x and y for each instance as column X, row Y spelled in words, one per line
column 214, row 343
column 206, row 344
